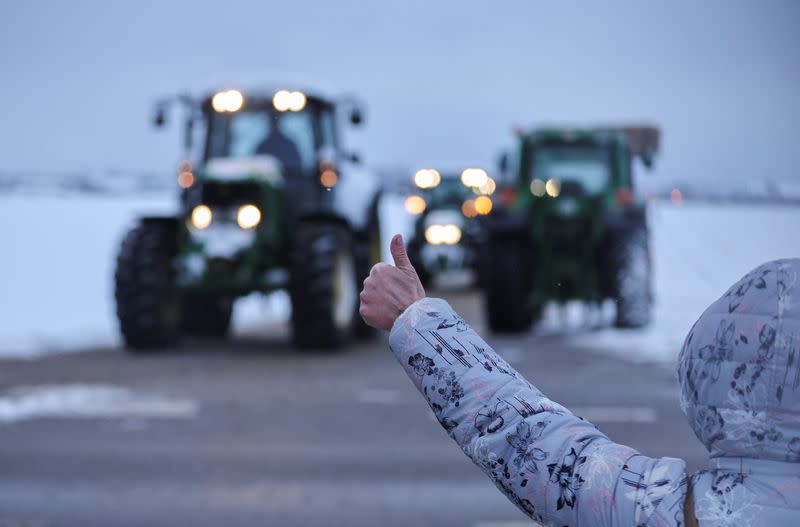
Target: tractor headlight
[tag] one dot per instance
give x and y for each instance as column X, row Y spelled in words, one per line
column 201, row 217
column 248, row 216
column 414, row 205
column 443, row 234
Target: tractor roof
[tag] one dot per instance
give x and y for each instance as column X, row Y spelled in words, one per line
column 642, row 140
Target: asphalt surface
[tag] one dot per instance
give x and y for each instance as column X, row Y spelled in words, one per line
column 254, row 432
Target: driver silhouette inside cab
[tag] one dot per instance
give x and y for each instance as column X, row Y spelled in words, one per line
column 276, row 144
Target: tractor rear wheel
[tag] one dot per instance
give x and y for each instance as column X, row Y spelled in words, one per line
column 507, row 287
column 206, row 315
column 324, row 286
column 148, row 309
column 415, row 256
column 633, row 288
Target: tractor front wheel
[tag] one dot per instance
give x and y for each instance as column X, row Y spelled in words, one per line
column 633, row 288
column 507, row 287
column 148, row 309
column 324, row 286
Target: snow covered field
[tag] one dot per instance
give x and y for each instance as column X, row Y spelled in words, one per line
column 57, row 270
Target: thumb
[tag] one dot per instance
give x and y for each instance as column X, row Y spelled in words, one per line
column 399, row 255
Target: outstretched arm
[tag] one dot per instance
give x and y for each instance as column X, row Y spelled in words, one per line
column 556, row 467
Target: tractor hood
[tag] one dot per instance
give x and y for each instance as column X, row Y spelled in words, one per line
column 262, row 168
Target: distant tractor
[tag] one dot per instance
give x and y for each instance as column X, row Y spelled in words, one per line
column 577, row 230
column 445, row 206
column 272, row 202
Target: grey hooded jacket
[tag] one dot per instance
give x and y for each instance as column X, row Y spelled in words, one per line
column 740, row 377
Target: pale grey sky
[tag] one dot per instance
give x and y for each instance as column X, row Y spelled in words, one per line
column 443, row 80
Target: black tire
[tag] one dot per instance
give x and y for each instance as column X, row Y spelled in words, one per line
column 148, row 309
column 415, row 257
column 507, row 277
column 206, row 315
column 633, row 280
column 323, row 315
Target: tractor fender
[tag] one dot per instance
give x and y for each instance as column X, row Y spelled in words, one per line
column 620, row 223
column 326, row 217
column 504, row 225
column 159, row 220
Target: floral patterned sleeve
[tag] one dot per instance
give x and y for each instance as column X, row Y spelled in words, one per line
column 555, row 466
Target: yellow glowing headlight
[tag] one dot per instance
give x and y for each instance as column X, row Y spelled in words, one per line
column 427, row 178
column 415, row 205
column 553, row 188
column 483, row 205
column 474, row 177
column 285, row 100
column 201, row 217
column 443, row 234
column 248, row 216
column 227, row 101
column 537, row 188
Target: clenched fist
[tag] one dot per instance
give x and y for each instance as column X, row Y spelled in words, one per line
column 390, row 289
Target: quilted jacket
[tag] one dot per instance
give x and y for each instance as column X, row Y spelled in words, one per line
column 739, row 373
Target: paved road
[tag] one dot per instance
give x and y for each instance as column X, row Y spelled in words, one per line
column 253, row 432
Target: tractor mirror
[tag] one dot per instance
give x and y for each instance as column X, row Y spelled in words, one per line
column 648, row 158
column 356, row 118
column 502, row 162
column 160, row 118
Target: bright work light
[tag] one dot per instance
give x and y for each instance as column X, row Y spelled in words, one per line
column 285, row 100
column 227, row 101
column 427, row 178
column 474, row 177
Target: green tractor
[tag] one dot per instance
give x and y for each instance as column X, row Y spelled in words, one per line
column 576, row 231
column 446, row 232
column 272, row 203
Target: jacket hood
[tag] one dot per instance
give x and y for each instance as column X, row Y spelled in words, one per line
column 739, row 369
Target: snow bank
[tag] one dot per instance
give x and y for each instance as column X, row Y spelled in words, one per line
column 57, row 269
column 89, row 400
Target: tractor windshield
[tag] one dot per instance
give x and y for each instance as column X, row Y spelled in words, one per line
column 449, row 192
column 586, row 166
column 294, row 138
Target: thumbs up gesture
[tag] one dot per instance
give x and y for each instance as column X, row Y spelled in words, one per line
column 390, row 289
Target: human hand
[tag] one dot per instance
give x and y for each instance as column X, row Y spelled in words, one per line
column 390, row 289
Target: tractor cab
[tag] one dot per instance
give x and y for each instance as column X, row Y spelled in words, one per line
column 287, row 139
column 567, row 172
